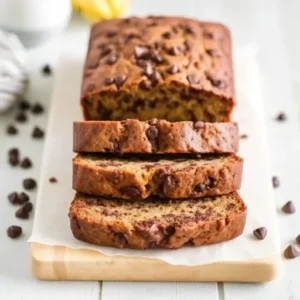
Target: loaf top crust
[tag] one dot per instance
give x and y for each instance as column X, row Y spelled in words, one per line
column 126, row 53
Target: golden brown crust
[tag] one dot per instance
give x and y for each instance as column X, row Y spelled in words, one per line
column 191, row 222
column 158, row 67
column 155, row 136
column 168, row 178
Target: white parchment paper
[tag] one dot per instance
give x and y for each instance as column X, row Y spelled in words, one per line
column 51, row 223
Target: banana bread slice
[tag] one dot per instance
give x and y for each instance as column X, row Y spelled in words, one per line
column 155, row 136
column 137, row 179
column 157, row 223
column 169, row 68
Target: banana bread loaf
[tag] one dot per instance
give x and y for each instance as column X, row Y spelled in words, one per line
column 155, row 136
column 158, row 67
column 157, row 223
column 137, row 179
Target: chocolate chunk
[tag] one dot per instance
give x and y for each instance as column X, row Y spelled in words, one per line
column 26, row 163
column 52, row 180
column 14, row 231
column 243, row 136
column 215, row 80
column 173, row 69
column 155, row 57
column 23, row 197
column 11, row 130
column 13, row 152
column 193, row 79
column 22, row 213
column 167, row 35
column 109, row 80
column 174, row 50
column 112, row 59
column 281, row 117
column 104, row 52
column 28, row 206
column 21, row 117
column 298, row 239
column 148, row 70
column 291, row 252
column 90, row 87
column 155, row 77
column 260, row 233
column 169, row 230
column 199, row 125
column 29, row 184
column 213, row 52
column 120, row 80
column 47, row 70
column 152, row 133
column 169, row 183
column 131, row 191
column 24, row 105
column 13, row 198
column 199, row 188
column 190, row 30
column 141, row 52
column 120, row 240
column 37, row 109
column 142, row 63
column 275, row 181
column 13, row 160
column 211, row 182
column 37, row 133
column 288, row 208
column 145, row 85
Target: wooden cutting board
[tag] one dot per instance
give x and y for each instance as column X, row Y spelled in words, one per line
column 62, row 263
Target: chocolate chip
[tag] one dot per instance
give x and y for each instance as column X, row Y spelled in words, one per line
column 14, row 231
column 213, row 52
column 11, row 130
column 148, row 71
column 52, row 180
column 215, row 80
column 22, row 213
column 275, row 181
column 199, row 188
column 281, row 117
column 21, row 117
column 37, row 109
column 152, row 133
column 13, row 198
column 167, row 35
column 169, row 183
column 26, row 163
column 90, row 87
column 173, row 69
column 169, row 230
column 120, row 80
column 208, row 35
column 193, row 79
column 142, row 63
column 288, row 208
column 155, row 77
column 29, row 184
column 23, row 197
column 155, row 57
column 28, row 206
column 131, row 191
column 151, row 245
column 13, row 160
column 190, row 30
column 24, row 105
column 110, row 34
column 174, row 50
column 116, row 177
column 132, row 35
column 112, row 59
column 109, row 80
column 243, row 136
column 145, row 85
column 291, row 252
column 199, row 125
column 141, row 52
column 104, row 52
column 37, row 133
column 14, row 152
column 47, row 70
column 211, row 182
column 298, row 239
column 120, row 239
column 260, row 233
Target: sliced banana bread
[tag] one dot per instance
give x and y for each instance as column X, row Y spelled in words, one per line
column 137, row 179
column 155, row 136
column 157, row 223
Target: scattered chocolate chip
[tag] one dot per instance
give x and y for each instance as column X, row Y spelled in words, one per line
column 23, row 197
column 132, row 35
column 291, row 252
column 145, row 85
column 190, row 30
column 24, row 105
column 112, row 59
column 120, row 240
column 174, row 50
column 104, row 52
column 120, row 80
column 260, row 233
column 131, row 191
column 11, row 130
column 108, row 80
column 22, row 213
column 298, row 239
column 26, row 163
column 13, row 152
column 173, row 69
column 281, row 117
column 141, row 52
column 155, row 77
column 142, row 63
column 28, row 206
column 208, row 35
column 275, row 181
column 211, row 182
column 14, row 231
column 243, row 136
column 148, row 70
column 110, row 34
column 199, row 125
column 37, row 109
column 169, row 230
column 13, row 198
column 29, row 184
column 215, row 80
column 21, row 117
column 199, row 188
column 37, row 133
column 213, row 52
column 288, row 208
column 167, row 35
column 52, row 180
column 13, row 160
column 152, row 133
column 193, row 79
column 169, row 183
column 47, row 70
column 155, row 57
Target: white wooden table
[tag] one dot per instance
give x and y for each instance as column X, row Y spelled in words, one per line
column 274, row 26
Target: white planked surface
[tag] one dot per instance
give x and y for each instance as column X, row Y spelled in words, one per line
column 275, row 26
